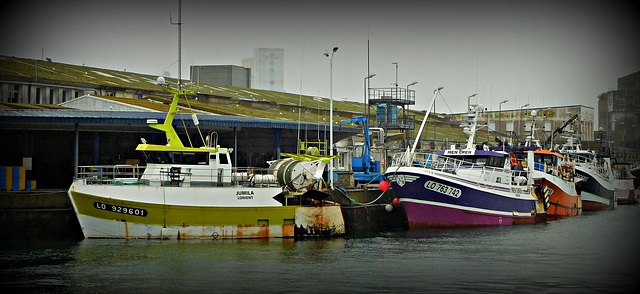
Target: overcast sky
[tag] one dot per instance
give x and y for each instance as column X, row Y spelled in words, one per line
column 545, row 53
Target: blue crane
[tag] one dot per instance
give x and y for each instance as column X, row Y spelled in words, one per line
column 365, row 168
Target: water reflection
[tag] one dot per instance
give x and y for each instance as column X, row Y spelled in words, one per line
column 594, row 252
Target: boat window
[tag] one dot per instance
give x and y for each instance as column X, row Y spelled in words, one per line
column 544, row 158
column 548, row 160
column 188, row 158
column 164, row 157
column 481, row 161
column 464, row 159
column 177, row 157
column 157, row 157
column 224, row 159
column 201, row 158
column 212, row 157
column 357, row 151
column 495, row 161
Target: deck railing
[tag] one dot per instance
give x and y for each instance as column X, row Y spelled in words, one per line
column 109, row 174
column 480, row 174
column 591, row 163
column 176, row 176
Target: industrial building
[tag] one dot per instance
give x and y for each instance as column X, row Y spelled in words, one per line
column 267, row 69
column 619, row 112
column 226, row 75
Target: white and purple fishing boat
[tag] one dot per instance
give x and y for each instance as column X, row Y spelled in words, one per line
column 623, row 183
column 464, row 187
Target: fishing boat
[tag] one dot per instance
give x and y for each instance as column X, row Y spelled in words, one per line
column 623, row 183
column 463, row 187
column 597, row 191
column 554, row 177
column 195, row 192
column 555, row 180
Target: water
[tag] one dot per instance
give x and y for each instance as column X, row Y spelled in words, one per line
column 596, row 252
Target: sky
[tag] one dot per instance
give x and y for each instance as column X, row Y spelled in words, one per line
column 542, row 53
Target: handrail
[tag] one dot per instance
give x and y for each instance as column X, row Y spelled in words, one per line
column 479, row 173
column 128, row 174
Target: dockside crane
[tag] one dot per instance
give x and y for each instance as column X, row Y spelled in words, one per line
column 559, row 130
column 365, row 168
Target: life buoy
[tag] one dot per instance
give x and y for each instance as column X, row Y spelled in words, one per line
column 514, row 160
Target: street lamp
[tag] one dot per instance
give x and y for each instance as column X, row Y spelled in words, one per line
column 409, row 85
column 521, row 117
column 500, row 116
column 404, row 114
column 366, row 105
column 396, row 73
column 326, row 54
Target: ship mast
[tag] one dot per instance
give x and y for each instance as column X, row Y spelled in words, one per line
column 424, row 121
column 179, row 24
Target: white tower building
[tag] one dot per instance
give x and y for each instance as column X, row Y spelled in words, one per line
column 267, row 68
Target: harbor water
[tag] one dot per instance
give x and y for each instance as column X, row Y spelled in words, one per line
column 596, row 252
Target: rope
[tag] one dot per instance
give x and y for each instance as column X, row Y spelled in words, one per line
column 344, row 192
column 185, row 129
column 197, row 126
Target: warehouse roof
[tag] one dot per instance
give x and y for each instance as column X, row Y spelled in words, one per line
column 47, row 118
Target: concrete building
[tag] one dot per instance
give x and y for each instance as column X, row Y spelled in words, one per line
column 226, row 75
column 515, row 125
column 40, row 92
column 619, row 112
column 267, row 69
column 89, row 102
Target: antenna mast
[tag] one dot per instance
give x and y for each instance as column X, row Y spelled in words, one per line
column 179, row 24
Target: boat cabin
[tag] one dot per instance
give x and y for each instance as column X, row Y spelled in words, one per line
column 477, row 157
column 186, row 167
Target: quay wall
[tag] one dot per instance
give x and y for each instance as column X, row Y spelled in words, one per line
column 38, row 215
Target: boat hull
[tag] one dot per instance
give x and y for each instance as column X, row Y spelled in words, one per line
column 592, row 202
column 596, row 191
column 180, row 213
column 563, row 199
column 474, row 205
column 625, row 193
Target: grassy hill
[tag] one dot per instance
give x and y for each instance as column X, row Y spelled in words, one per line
column 31, row 70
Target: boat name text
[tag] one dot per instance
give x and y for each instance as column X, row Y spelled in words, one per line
column 459, row 152
column 120, row 209
column 443, row 189
column 244, row 195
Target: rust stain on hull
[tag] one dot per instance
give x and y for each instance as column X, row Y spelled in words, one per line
column 235, row 232
column 319, row 221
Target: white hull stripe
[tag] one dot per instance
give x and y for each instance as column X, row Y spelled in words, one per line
column 464, row 208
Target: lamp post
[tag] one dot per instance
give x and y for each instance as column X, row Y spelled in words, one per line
column 366, row 105
column 500, row 116
column 404, row 114
column 396, row 73
column 326, row 54
column 521, row 124
column 409, row 85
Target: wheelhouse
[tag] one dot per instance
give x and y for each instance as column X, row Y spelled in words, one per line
column 476, row 157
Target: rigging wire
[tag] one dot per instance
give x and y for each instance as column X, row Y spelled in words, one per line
column 197, row 125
